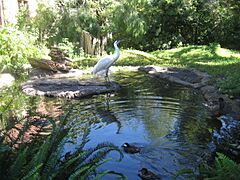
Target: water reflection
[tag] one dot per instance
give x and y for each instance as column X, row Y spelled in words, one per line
column 105, row 114
column 166, row 119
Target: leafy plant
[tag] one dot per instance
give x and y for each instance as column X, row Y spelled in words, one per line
column 16, row 47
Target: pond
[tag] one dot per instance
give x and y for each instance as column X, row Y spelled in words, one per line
column 167, row 120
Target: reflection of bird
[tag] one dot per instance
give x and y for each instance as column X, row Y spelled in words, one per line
column 106, row 62
column 131, row 148
column 145, row 174
column 106, row 114
column 108, row 117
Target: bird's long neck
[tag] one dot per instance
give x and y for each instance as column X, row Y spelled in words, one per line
column 117, row 52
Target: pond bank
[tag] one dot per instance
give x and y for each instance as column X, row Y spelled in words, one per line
column 220, row 106
column 217, row 103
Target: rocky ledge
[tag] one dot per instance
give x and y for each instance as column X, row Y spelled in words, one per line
column 220, row 106
column 67, row 88
column 217, row 103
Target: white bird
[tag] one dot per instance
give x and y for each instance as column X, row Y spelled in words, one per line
column 106, row 62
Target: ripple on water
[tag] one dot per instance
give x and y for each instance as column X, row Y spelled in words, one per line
column 166, row 119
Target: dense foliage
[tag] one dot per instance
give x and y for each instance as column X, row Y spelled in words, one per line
column 16, row 47
column 149, row 25
column 144, row 24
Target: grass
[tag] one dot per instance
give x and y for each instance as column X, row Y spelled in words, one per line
column 221, row 63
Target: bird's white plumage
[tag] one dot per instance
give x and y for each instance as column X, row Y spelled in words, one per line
column 105, row 63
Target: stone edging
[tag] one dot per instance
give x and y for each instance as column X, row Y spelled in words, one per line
column 199, row 80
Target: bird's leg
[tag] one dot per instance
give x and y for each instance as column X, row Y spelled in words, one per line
column 107, row 78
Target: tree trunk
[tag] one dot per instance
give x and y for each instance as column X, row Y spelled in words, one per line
column 1, row 14
column 92, row 45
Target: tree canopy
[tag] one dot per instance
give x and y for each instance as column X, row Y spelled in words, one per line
column 143, row 24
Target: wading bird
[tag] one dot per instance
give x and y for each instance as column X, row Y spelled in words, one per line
column 106, row 62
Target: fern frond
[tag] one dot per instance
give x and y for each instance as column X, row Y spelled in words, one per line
column 226, row 168
column 66, row 168
column 50, row 165
column 86, row 169
column 33, row 174
column 122, row 176
column 107, row 146
column 84, row 139
column 41, row 155
column 18, row 165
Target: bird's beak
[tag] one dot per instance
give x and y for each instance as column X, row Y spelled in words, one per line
column 120, row 41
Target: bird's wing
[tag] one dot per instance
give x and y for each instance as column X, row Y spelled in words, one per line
column 103, row 64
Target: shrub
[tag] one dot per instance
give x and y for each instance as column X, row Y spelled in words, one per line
column 16, row 47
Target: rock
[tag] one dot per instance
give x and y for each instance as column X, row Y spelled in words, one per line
column 208, row 89
column 59, row 56
column 6, row 80
column 38, row 73
column 185, row 76
column 227, row 137
column 199, row 80
column 48, row 65
column 67, row 88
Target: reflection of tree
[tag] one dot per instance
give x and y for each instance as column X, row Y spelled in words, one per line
column 158, row 118
column 162, row 103
column 193, row 126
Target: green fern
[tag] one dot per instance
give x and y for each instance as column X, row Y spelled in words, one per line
column 18, row 164
column 88, row 168
column 41, row 158
column 33, row 174
column 98, row 177
column 225, row 168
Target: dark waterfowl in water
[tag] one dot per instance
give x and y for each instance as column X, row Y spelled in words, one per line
column 145, row 174
column 130, row 148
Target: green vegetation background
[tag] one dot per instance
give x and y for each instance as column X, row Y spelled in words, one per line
column 187, row 33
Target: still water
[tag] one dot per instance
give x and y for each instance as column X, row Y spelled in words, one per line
column 169, row 121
